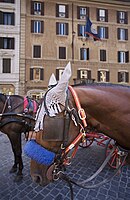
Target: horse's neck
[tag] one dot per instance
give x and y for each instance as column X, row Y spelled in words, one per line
column 16, row 103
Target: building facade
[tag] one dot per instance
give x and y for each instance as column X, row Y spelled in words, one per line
column 9, row 46
column 55, row 34
column 52, row 33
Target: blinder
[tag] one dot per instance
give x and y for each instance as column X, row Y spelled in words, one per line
column 56, row 128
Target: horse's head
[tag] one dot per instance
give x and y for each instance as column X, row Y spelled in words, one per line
column 54, row 130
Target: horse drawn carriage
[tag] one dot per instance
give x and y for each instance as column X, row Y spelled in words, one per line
column 72, row 116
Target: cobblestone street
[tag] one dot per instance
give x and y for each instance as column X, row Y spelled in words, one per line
column 84, row 164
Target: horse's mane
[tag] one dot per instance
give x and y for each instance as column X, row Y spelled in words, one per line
column 101, row 84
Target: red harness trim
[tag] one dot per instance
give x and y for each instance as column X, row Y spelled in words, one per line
column 81, row 111
column 82, row 116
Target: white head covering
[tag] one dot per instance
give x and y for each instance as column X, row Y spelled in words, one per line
column 54, row 98
column 52, row 81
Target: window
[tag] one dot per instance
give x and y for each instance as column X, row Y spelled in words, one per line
column 37, row 8
column 103, row 76
column 36, row 26
column 82, row 30
column 36, row 74
column 6, row 65
column 61, row 28
column 103, row 32
column 7, row 18
column 8, row 1
column 61, row 11
column 102, row 15
column 6, row 43
column 59, row 73
column 83, row 74
column 82, row 12
column 122, row 17
column 84, row 54
column 123, row 76
column 122, row 34
column 123, row 56
column 36, row 51
column 102, row 55
column 62, row 52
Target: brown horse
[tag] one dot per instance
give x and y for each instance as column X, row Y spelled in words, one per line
column 107, row 110
column 16, row 116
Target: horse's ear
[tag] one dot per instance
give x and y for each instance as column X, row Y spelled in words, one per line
column 52, row 81
column 66, row 74
column 58, row 93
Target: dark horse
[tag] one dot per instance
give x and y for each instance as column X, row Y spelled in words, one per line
column 107, row 110
column 16, row 116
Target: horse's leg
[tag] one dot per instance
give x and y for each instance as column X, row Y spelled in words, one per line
column 15, row 139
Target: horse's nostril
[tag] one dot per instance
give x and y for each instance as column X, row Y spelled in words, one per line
column 37, row 178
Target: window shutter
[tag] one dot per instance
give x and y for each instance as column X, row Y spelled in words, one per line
column 78, row 12
column 104, row 55
column 119, row 77
column 13, row 19
column 79, row 30
column 118, row 33
column 41, row 74
column 127, row 77
column 57, row 28
column 42, row 26
column 32, row 8
column 126, row 34
column 107, row 76
column 57, row 10
column 101, row 55
column 118, row 55
column 57, row 74
column 118, row 14
column 1, row 17
column 97, row 14
column 78, row 74
column 39, row 51
column 12, row 43
column 87, row 14
column 106, row 15
column 66, row 11
column 89, row 74
column 42, row 8
column 87, row 53
column 32, row 26
column 98, row 76
column 31, row 74
column 126, row 18
column 67, row 28
column 62, row 53
column 107, row 35
column 127, row 56
column 81, row 54
column 1, row 42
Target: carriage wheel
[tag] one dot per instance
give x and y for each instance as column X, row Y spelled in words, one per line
column 87, row 143
column 116, row 159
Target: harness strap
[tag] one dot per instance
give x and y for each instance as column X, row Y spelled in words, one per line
column 82, row 184
column 81, row 111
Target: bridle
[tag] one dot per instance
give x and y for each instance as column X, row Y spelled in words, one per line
column 78, row 116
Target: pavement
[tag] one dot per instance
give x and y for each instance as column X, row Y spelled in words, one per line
column 86, row 162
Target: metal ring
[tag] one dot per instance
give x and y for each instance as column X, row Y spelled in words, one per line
column 79, row 112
